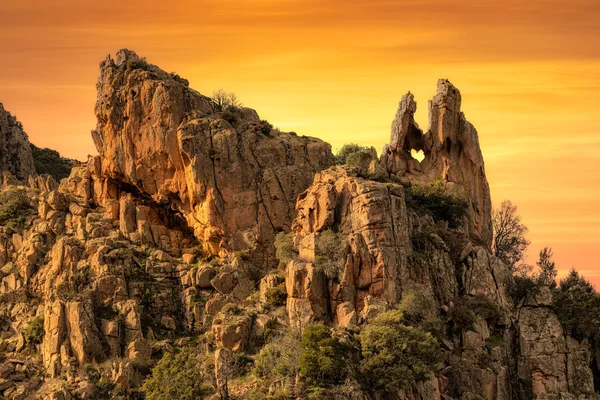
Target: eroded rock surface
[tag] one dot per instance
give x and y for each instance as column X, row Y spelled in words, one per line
column 15, row 151
column 452, row 154
column 234, row 179
column 163, row 242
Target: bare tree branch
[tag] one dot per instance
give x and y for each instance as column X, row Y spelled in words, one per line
column 509, row 242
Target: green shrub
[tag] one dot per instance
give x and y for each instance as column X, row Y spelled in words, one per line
column 433, row 199
column 256, row 394
column 521, row 286
column 466, row 310
column 176, row 376
column 548, row 272
column 347, row 150
column 419, row 310
column 330, row 252
column 276, row 297
column 49, row 162
column 280, row 358
column 322, row 361
column 395, row 355
column 14, row 208
column 284, row 248
column 104, row 386
column 229, row 116
column 359, row 161
column 265, row 127
column 243, row 255
column 34, row 332
column 318, row 393
column 577, row 306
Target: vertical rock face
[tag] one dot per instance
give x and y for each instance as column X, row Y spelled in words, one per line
column 372, row 222
column 553, row 363
column 452, row 154
column 15, row 151
column 233, row 178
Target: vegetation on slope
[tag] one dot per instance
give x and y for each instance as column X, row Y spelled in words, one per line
column 50, row 162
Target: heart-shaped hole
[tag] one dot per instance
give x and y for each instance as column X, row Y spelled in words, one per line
column 417, row 155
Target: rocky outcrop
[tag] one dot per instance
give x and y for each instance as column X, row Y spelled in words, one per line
column 371, row 220
column 452, row 154
column 233, row 178
column 15, row 151
column 164, row 242
column 552, row 363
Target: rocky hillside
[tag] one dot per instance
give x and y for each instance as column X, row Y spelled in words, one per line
column 205, row 254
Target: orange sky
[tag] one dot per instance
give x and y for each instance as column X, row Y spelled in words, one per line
column 529, row 72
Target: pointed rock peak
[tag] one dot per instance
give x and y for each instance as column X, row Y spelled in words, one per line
column 447, row 95
column 450, row 148
column 125, row 55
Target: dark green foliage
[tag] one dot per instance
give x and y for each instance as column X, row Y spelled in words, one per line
column 547, row 266
column 229, row 116
column 577, row 306
column 276, row 297
column 14, row 208
column 330, row 253
column 433, row 199
column 467, row 308
column 176, row 376
column 322, row 360
column 49, row 162
column 462, row 317
column 347, row 150
column 419, row 310
column 521, row 286
column 395, row 355
column 359, row 161
column 265, row 127
column 280, row 358
column 34, row 331
column 284, row 248
column 243, row 255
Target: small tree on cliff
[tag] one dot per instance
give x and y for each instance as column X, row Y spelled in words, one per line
column 509, row 242
column 225, row 99
column 396, row 355
column 577, row 306
column 547, row 275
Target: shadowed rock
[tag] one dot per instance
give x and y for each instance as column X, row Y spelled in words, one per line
column 15, row 151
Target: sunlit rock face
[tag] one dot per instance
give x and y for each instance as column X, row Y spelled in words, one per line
column 235, row 182
column 15, row 150
column 451, row 154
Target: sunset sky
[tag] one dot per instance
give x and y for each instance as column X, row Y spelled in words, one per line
column 529, row 73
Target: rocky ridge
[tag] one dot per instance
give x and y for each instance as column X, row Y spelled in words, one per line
column 166, row 239
column 15, row 153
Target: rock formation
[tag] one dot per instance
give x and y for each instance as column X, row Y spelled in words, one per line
column 234, row 179
column 15, row 152
column 164, row 242
column 452, row 154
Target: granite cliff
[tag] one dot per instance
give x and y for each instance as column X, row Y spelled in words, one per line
column 200, row 229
